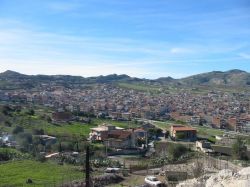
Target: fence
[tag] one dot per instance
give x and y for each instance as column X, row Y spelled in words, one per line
column 220, row 164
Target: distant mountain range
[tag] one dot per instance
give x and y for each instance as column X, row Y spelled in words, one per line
column 234, row 78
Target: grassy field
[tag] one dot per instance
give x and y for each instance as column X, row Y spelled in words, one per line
column 36, row 121
column 16, row 173
column 208, row 131
column 122, row 124
column 140, row 87
column 75, row 128
column 163, row 125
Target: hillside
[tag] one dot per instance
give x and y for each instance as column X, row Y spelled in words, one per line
column 14, row 80
column 228, row 78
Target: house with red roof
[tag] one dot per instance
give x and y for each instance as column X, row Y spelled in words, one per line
column 183, row 133
column 113, row 136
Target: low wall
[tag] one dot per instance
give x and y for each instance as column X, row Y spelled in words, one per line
column 127, row 152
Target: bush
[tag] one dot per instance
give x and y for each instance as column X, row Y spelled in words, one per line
column 11, row 154
column 40, row 158
column 26, row 136
column 17, row 129
column 239, row 149
column 175, row 151
column 30, row 112
column 6, row 110
column 7, row 123
column 67, row 146
column 38, row 131
column 25, row 140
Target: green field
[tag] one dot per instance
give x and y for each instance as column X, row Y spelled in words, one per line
column 208, row 133
column 122, row 124
column 36, row 121
column 140, row 87
column 16, row 173
column 163, row 125
column 75, row 128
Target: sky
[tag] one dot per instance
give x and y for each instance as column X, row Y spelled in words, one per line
column 140, row 38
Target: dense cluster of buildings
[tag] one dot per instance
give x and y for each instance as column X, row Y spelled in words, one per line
column 218, row 109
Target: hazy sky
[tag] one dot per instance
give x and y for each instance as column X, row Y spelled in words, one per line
column 142, row 38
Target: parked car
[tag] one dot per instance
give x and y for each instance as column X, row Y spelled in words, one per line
column 153, row 181
column 112, row 170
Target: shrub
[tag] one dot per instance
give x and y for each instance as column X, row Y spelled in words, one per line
column 239, row 149
column 175, row 151
column 7, row 123
column 6, row 110
column 40, row 158
column 11, row 154
column 30, row 112
column 17, row 129
column 38, row 131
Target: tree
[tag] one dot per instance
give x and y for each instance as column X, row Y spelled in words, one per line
column 25, row 140
column 30, row 112
column 60, row 147
column 7, row 123
column 40, row 157
column 17, row 129
column 239, row 149
column 6, row 110
column 38, row 131
column 49, row 120
column 155, row 132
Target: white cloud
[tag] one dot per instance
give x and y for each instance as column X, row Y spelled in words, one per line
column 60, row 6
column 178, row 50
column 245, row 56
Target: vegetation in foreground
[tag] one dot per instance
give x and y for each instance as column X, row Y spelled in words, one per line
column 16, row 173
column 27, row 124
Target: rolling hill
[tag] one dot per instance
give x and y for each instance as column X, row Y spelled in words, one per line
column 215, row 78
column 234, row 78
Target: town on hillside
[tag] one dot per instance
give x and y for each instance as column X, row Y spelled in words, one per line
column 214, row 109
column 134, row 137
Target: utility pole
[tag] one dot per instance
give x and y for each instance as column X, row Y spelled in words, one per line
column 106, row 147
column 87, row 168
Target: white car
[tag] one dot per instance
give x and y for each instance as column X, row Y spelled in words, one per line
column 153, row 181
column 112, row 170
